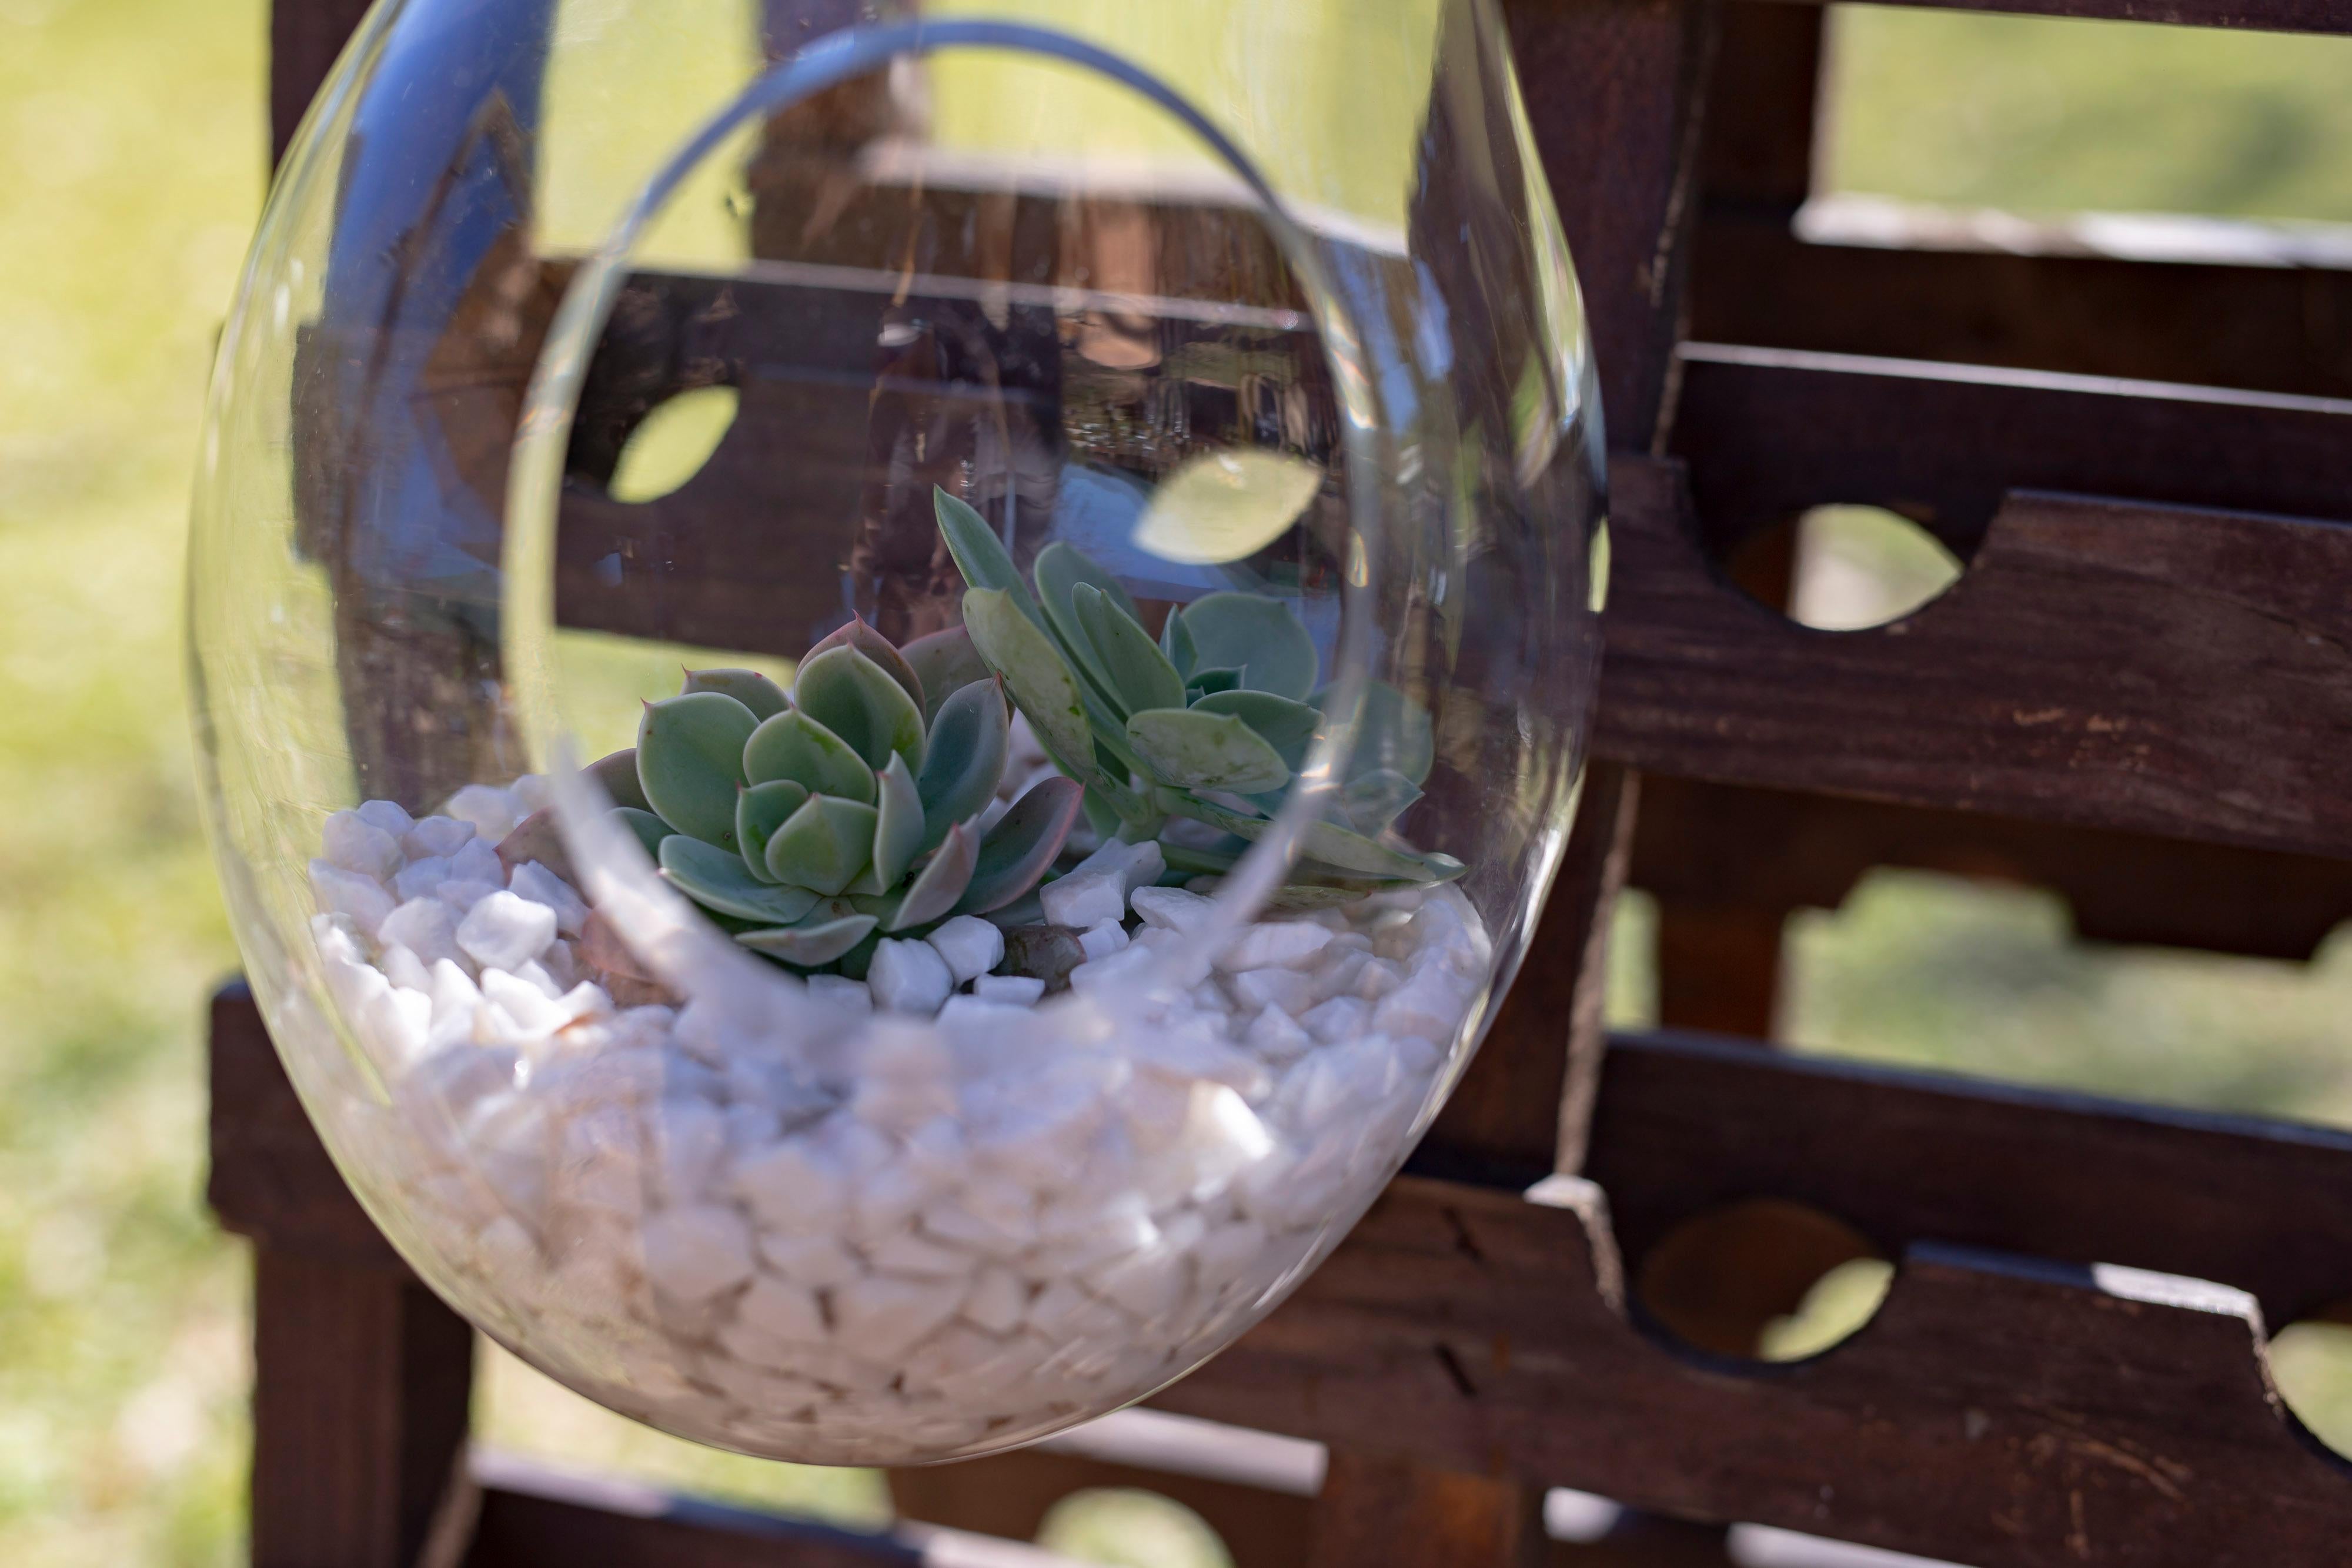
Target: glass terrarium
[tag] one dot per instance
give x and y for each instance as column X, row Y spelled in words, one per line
column 887, row 689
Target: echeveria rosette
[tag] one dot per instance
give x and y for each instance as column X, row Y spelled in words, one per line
column 811, row 822
column 1211, row 720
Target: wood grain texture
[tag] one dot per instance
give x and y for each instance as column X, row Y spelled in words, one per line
column 1525, row 1101
column 1685, row 1124
column 2112, row 664
column 1733, row 853
column 2281, row 329
column 1614, row 94
column 361, row 1385
column 1378, row 1511
column 1997, row 1412
column 1769, row 433
column 2269, row 15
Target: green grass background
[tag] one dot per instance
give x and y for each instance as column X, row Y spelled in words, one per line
column 131, row 144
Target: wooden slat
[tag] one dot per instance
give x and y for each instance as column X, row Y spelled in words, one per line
column 1769, row 433
column 1377, row 1511
column 2112, row 664
column 305, row 37
column 360, row 1392
column 2282, row 328
column 1685, row 1124
column 1735, row 853
column 1528, row 1096
column 534, row 1518
column 1997, row 1412
column 1613, row 96
column 2270, row 16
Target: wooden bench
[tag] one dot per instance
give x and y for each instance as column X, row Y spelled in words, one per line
column 2139, row 695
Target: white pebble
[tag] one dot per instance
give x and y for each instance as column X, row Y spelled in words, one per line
column 1340, row 1019
column 1021, row 990
column 1429, row 1004
column 427, row 928
column 692, row 1254
column 439, row 837
column 462, row 892
column 341, row 892
column 1086, row 899
column 918, row 1257
column 354, row 844
column 530, row 793
column 1288, row 989
column 478, row 861
column 881, row 1317
column 1173, row 908
column 909, row 978
column 1289, row 944
column 795, row 1189
column 487, row 807
column 690, row 1143
column 1127, row 964
column 531, row 1011
column 781, row 1310
column 418, row 878
column 1102, row 941
column 503, row 931
column 541, row 886
column 1277, row 1038
column 971, row 946
column 387, row 815
column 819, row 1262
column 404, row 967
column 840, row 991
column 997, row 1301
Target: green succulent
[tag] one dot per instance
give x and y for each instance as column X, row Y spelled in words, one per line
column 1211, row 720
column 809, row 824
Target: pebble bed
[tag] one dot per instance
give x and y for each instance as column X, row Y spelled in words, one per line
column 986, row 1216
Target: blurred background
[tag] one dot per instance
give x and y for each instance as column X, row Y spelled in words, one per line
column 132, row 146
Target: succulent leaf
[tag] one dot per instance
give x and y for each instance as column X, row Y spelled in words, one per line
column 1259, row 637
column 945, row 663
column 899, row 822
column 820, row 938
column 753, row 690
column 965, row 761
column 1061, row 568
column 980, row 555
column 759, row 811
column 1022, row 844
column 797, row 746
column 650, row 830
column 933, row 893
column 858, row 634
column 1204, row 683
column 690, row 762
column 856, row 699
column 1139, row 673
column 1337, row 848
column 1395, row 734
column 618, row 775
column 1286, row 726
column 1226, row 505
column 824, row 846
column 1041, row 682
column 1177, row 643
column 716, row 879
column 1371, row 801
column 1194, row 748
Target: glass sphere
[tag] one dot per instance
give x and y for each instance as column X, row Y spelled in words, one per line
column 883, row 708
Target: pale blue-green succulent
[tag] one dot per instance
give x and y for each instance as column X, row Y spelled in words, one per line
column 809, row 824
column 1211, row 720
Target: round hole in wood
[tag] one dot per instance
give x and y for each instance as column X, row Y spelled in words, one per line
column 1127, row 1527
column 1763, row 1279
column 2311, row 1363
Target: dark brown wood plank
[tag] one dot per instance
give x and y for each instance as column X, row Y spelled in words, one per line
column 2281, row 329
column 1527, row 1096
column 2265, row 15
column 1997, row 1412
column 1732, row 852
column 533, row 1518
column 270, row 1180
column 1685, row 1124
column 1615, row 96
column 359, row 1396
column 1379, row 1512
column 2113, row 664
column 1769, row 433
column 305, row 37
column 1756, row 154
